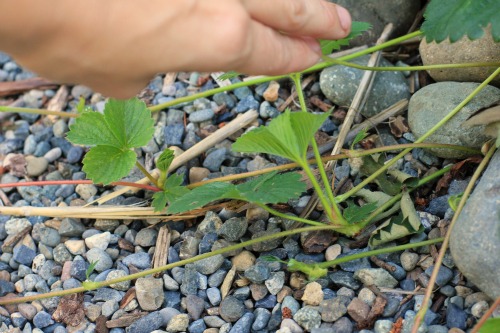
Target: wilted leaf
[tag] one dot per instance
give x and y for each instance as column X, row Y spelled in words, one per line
column 371, row 163
column 354, row 213
column 403, row 177
column 489, row 117
column 379, row 198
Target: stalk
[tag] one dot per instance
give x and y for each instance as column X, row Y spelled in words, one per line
column 147, row 174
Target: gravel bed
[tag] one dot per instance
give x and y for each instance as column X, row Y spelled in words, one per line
column 236, row 292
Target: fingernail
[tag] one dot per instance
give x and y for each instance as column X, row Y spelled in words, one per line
column 313, row 44
column 344, row 17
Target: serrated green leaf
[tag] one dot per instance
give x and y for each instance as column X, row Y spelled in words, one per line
column 287, row 136
column 130, row 121
column 274, row 189
column 371, row 163
column 406, row 223
column 265, row 189
column 492, row 325
column 90, row 129
column 357, row 28
column 172, row 190
column 106, row 164
column 354, row 213
column 159, row 201
column 359, row 137
column 454, row 19
column 200, row 196
column 165, row 159
column 228, row 75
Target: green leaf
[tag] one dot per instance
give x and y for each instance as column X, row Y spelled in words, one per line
column 454, row 19
column 490, row 326
column 172, row 190
column 357, row 28
column 287, row 136
column 379, row 198
column 90, row 269
column 359, row 137
column 123, row 126
column 80, row 107
column 406, row 223
column 106, row 164
column 454, row 200
column 165, row 159
column 354, row 213
column 269, row 188
column 228, row 75
column 371, row 163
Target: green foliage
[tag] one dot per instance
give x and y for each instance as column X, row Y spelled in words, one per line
column 80, row 107
column 287, row 136
column 123, row 126
column 90, row 269
column 266, row 189
column 404, row 224
column 357, row 28
column 359, row 137
column 455, row 18
column 229, row 75
column 354, row 213
column 454, row 200
column 490, row 326
column 371, row 163
column 172, row 190
column 164, row 160
column 313, row 271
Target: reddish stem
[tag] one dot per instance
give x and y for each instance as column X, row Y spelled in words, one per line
column 77, row 182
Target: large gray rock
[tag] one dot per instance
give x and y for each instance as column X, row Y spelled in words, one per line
column 432, row 103
column 401, row 13
column 464, row 50
column 339, row 84
column 475, row 239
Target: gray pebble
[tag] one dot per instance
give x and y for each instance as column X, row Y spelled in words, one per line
column 231, row 309
column 102, row 258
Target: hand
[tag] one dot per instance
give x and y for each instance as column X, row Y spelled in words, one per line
column 117, row 46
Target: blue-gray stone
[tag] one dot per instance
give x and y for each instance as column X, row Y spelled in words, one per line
column 172, row 299
column 71, row 227
column 231, row 309
column 189, row 284
column 268, row 111
column 438, row 206
column 173, row 256
column 49, row 236
column 328, row 294
column 30, row 145
column 267, row 302
column 30, row 193
column 6, row 287
column 214, row 159
column 407, row 284
column 310, row 258
column 244, row 324
column 206, row 242
column 65, row 190
column 262, row 317
column 242, row 293
column 78, row 269
column 71, row 283
column 24, row 255
column 242, row 92
column 456, row 317
column 391, row 307
column 175, row 117
column 18, row 320
column 437, row 329
column 61, row 143
column 42, row 319
column 444, row 275
column 140, row 260
column 344, row 279
column 147, row 324
column 216, row 279
column 74, row 154
column 233, row 229
column 107, row 294
column 214, row 296
column 174, row 134
column 190, row 140
column 276, row 317
column 399, row 272
column 291, row 303
column 343, row 325
column 247, row 103
column 354, row 265
column 258, row 273
column 11, row 145
column 197, row 326
column 224, row 98
column 42, row 148
column 201, row 115
column 431, row 318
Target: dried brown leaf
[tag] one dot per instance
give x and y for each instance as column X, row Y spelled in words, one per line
column 398, row 126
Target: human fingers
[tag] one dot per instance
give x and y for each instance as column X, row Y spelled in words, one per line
column 314, row 18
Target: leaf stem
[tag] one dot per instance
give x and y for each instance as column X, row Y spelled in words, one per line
column 147, row 174
column 288, row 217
column 389, row 163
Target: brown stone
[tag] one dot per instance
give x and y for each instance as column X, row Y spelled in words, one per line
column 271, row 94
column 259, row 291
column 358, row 310
column 70, row 310
column 316, row 241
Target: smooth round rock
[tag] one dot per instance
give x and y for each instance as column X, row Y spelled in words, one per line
column 340, row 83
column 36, row 166
column 474, row 241
column 483, row 49
column 433, row 102
column 231, row 309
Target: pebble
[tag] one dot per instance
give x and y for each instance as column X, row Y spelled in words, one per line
column 53, row 154
column 290, row 303
column 74, row 154
column 201, row 115
column 147, row 324
column 258, row 273
column 262, row 317
column 443, row 277
column 233, row 229
column 149, row 293
column 42, row 319
column 178, row 323
column 49, row 237
column 36, row 166
column 455, row 317
column 243, row 325
column 275, row 283
column 146, row 237
column 214, row 159
column 313, row 294
column 289, row 325
column 376, row 276
column 15, row 226
column 100, row 240
column 102, row 258
column 24, row 255
column 118, row 273
column 383, row 326
column 75, row 247
column 231, row 309
column 343, row 325
column 209, row 265
column 194, row 306
column 140, row 260
column 308, row 318
column 332, row 252
column 479, row 309
column 86, row 191
column 71, row 227
column 409, row 260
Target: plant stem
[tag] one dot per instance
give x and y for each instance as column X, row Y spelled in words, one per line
column 324, row 178
column 95, row 285
column 147, row 174
column 76, row 182
column 334, row 262
column 425, row 303
column 412, row 68
column 388, row 164
column 288, row 217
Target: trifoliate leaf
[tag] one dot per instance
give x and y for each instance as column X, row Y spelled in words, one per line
column 172, row 190
column 357, row 28
column 354, row 213
column 165, row 159
column 123, row 126
column 266, row 189
column 287, row 136
column 454, row 19
column 106, row 164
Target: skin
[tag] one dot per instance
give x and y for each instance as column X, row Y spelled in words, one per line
column 117, row 46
